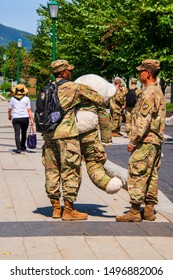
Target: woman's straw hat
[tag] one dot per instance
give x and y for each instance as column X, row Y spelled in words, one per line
column 20, row 90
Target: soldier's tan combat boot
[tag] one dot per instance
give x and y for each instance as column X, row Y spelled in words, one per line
column 148, row 212
column 57, row 209
column 70, row 213
column 133, row 215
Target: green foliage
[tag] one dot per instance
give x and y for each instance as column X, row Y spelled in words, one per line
column 107, row 38
column 169, row 106
column 7, row 86
column 11, row 52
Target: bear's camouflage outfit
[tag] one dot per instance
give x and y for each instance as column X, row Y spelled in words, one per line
column 92, row 141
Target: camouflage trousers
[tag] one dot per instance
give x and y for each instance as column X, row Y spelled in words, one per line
column 62, row 161
column 143, row 173
column 128, row 115
column 94, row 155
column 116, row 120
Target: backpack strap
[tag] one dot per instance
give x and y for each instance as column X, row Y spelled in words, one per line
column 57, row 84
column 61, row 82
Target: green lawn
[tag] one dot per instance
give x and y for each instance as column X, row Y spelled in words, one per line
column 169, row 106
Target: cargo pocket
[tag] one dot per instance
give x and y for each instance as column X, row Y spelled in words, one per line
column 138, row 162
column 73, row 155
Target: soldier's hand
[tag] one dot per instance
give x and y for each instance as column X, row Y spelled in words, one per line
column 130, row 148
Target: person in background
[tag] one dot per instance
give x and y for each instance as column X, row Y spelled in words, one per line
column 117, row 105
column 148, row 124
column 130, row 105
column 20, row 113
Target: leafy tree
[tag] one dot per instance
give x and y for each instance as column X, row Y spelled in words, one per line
column 41, row 48
column 11, row 52
column 107, row 37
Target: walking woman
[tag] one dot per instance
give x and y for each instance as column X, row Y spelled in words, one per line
column 20, row 113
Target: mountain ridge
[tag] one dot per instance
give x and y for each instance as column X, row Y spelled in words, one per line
column 10, row 34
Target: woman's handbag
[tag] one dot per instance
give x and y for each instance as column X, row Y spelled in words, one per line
column 32, row 138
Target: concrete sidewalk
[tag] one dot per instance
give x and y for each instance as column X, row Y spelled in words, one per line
column 27, row 231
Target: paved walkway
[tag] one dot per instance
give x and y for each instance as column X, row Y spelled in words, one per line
column 27, row 231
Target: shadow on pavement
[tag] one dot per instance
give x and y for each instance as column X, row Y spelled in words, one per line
column 91, row 209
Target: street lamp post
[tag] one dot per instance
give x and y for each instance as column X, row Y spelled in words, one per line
column 53, row 7
column 4, row 88
column 19, row 44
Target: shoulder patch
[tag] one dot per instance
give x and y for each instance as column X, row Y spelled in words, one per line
column 42, row 95
column 146, row 106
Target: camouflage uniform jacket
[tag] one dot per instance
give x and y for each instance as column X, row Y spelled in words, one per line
column 117, row 101
column 70, row 95
column 148, row 120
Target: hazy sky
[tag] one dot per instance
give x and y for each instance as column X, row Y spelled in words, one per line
column 20, row 14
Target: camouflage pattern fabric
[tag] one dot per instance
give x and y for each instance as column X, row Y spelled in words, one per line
column 71, row 94
column 116, row 103
column 148, row 120
column 143, row 174
column 128, row 116
column 148, row 124
column 92, row 149
column 62, row 157
column 130, row 111
column 104, row 120
column 62, row 161
column 94, row 155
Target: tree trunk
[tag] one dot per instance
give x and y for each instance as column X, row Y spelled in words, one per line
column 171, row 92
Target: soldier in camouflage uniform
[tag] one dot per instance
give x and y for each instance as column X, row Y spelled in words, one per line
column 148, row 124
column 117, row 104
column 62, row 155
column 130, row 110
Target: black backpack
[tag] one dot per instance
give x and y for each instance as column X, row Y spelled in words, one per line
column 131, row 98
column 49, row 113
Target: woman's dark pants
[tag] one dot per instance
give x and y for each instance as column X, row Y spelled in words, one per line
column 20, row 128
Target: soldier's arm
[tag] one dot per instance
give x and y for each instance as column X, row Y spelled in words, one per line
column 105, row 125
column 143, row 120
column 112, row 105
column 137, row 92
column 118, row 97
column 86, row 93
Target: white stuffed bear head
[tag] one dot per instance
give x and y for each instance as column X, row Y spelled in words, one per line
column 103, row 87
column 85, row 120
